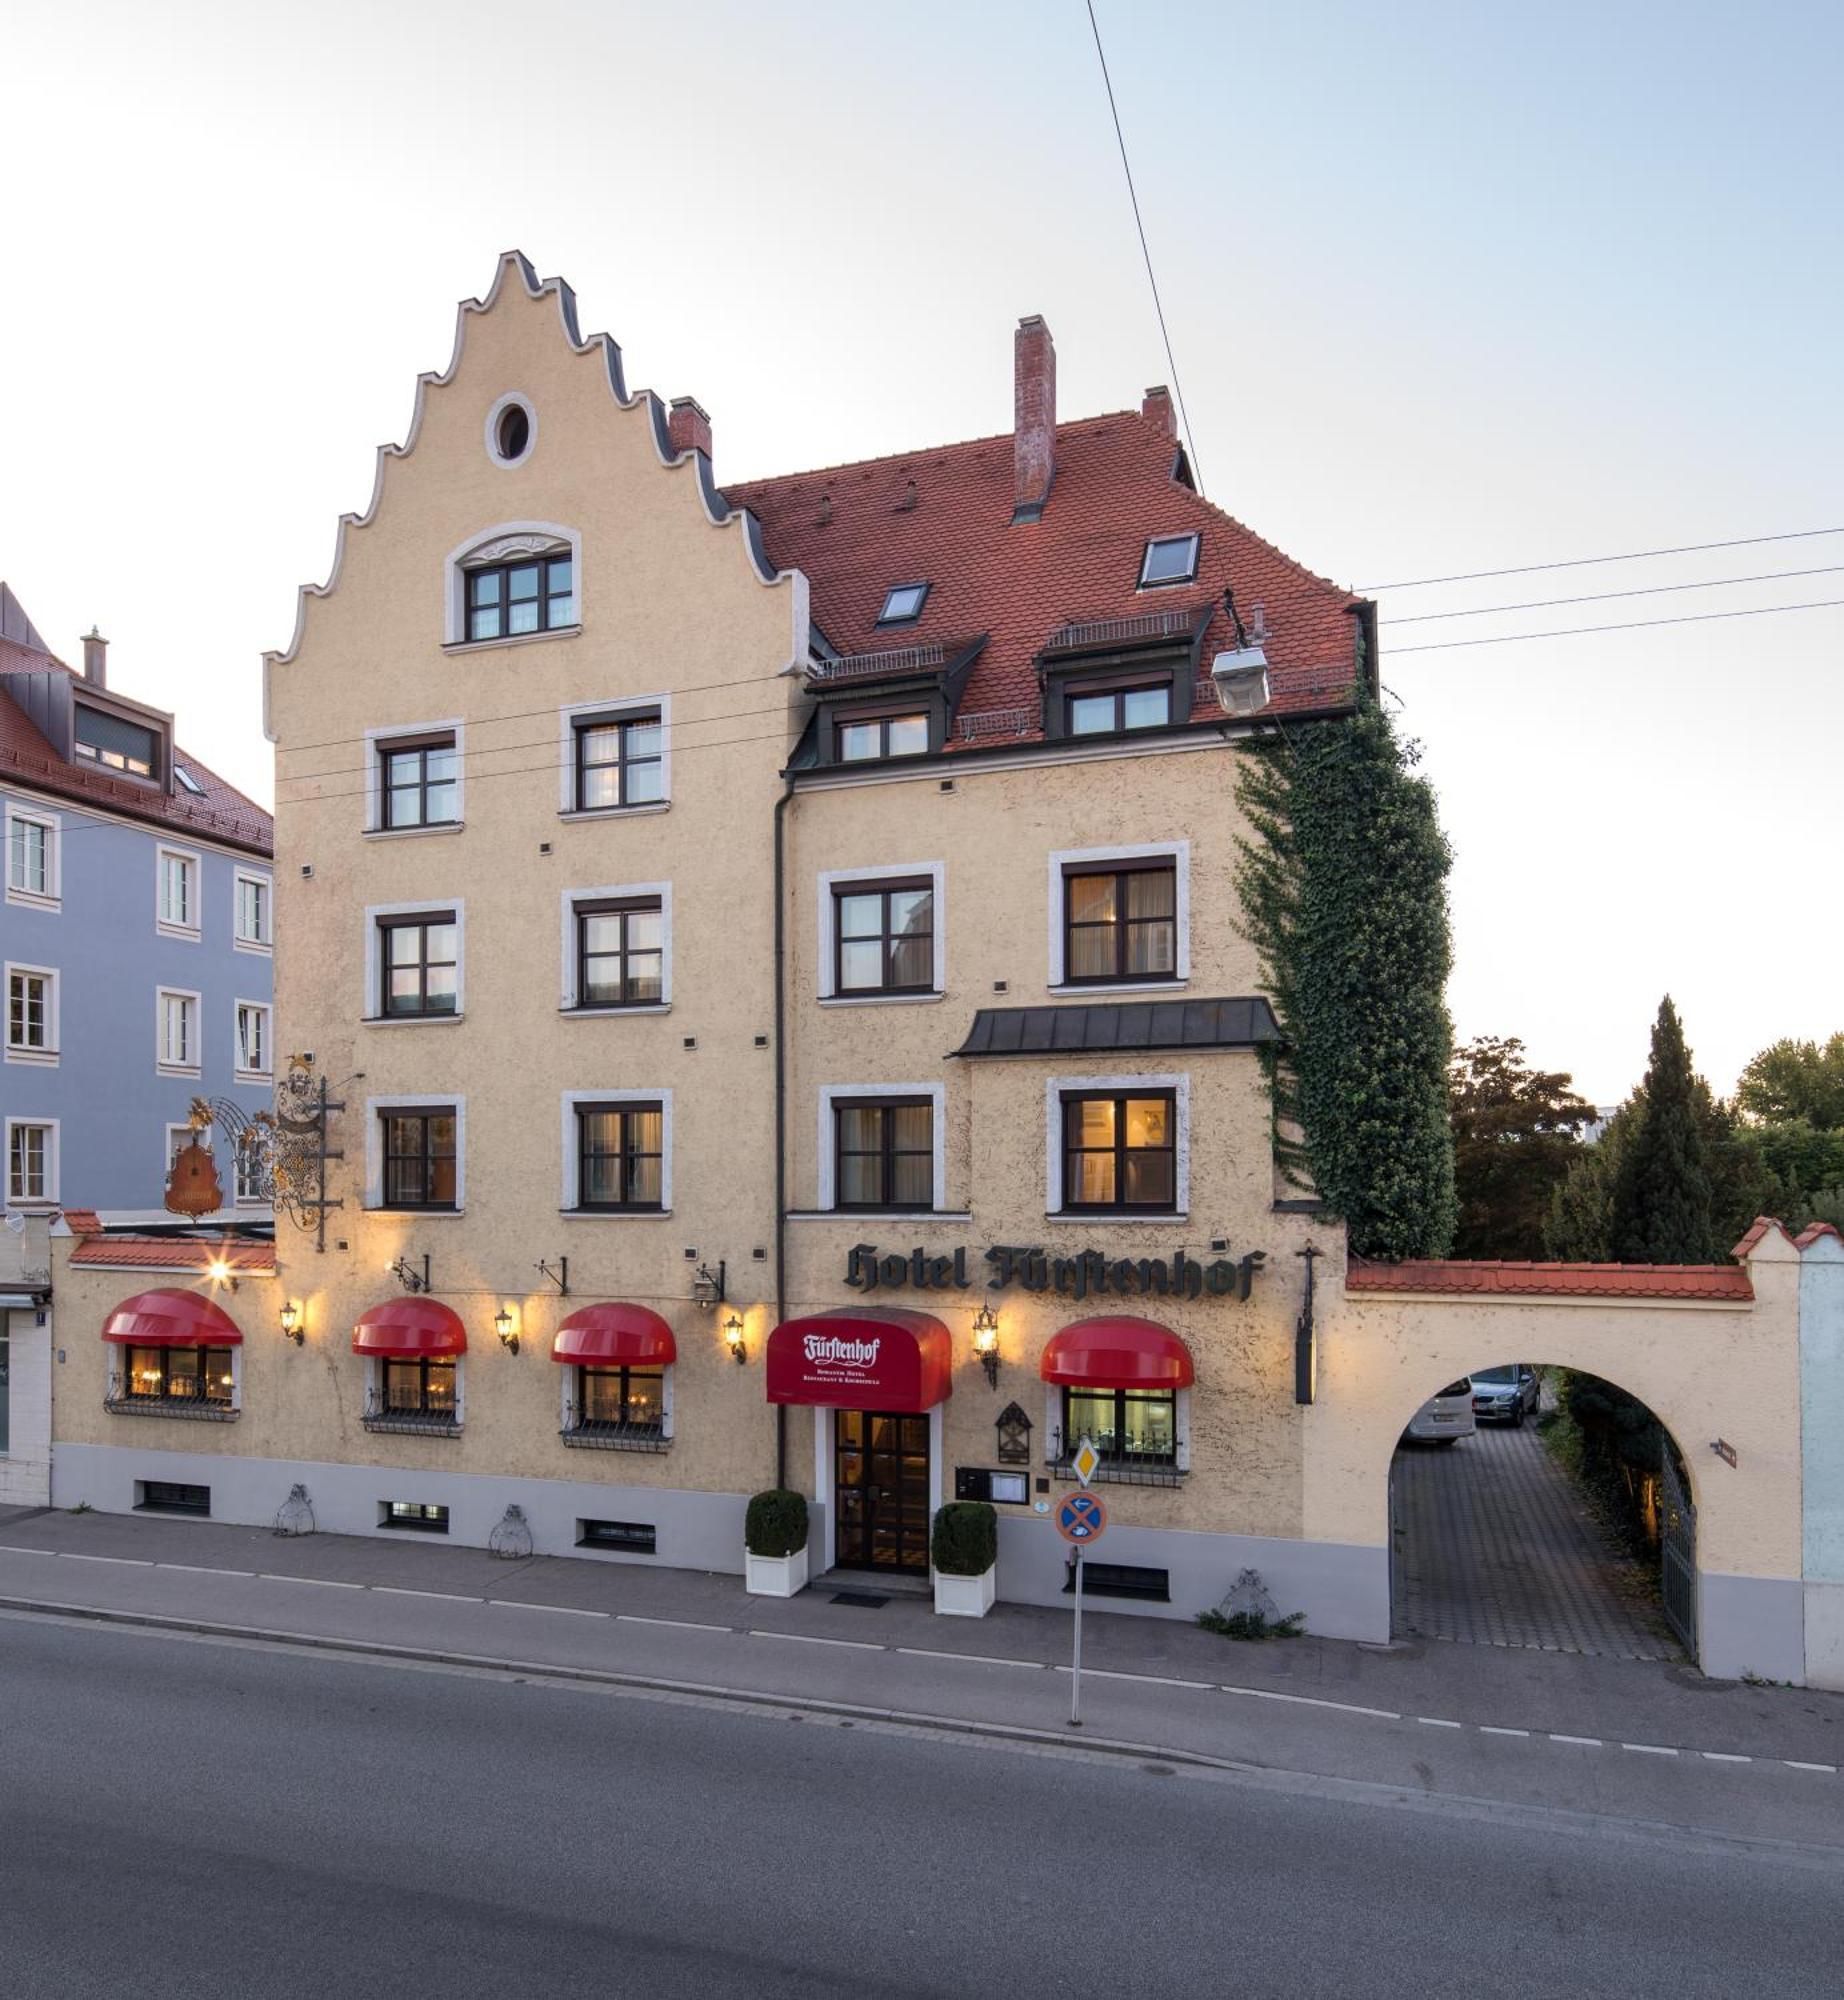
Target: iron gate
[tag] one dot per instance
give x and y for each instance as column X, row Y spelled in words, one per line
column 1677, row 1551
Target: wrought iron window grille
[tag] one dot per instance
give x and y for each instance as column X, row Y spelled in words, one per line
column 191, row 1404
column 409, row 1420
column 585, row 1433
column 1135, row 1469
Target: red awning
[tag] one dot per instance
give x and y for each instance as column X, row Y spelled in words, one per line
column 615, row 1336
column 856, row 1358
column 409, row 1329
column 171, row 1318
column 1117, row 1352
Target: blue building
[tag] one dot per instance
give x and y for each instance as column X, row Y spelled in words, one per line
column 137, row 935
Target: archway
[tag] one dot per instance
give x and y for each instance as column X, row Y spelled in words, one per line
column 1534, row 1506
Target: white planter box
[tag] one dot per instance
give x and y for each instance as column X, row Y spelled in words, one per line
column 965, row 1596
column 775, row 1576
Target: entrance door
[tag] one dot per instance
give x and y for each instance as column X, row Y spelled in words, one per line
column 881, row 1490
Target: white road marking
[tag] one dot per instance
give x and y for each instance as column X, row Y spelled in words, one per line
column 568, row 1610
column 126, row 1562
column 1650, row 1749
column 675, row 1624
column 989, row 1660
column 19, row 1549
column 1724, row 1757
column 1793, row 1764
column 1314, row 1701
column 204, row 1569
column 1492, row 1729
column 1586, row 1742
column 812, row 1639
column 401, row 1590
column 1151, row 1680
column 1439, row 1722
column 324, row 1582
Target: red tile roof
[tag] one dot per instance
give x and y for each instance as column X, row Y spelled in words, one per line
column 172, row 1253
column 1813, row 1231
column 27, row 760
column 1114, row 490
column 1611, row 1281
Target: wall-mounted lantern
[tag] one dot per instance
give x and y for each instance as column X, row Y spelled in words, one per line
column 986, row 1342
column 733, row 1338
column 502, row 1325
column 220, row 1273
column 290, row 1316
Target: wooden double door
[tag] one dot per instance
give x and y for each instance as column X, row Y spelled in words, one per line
column 880, row 1489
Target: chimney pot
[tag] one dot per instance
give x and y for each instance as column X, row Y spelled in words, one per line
column 1157, row 409
column 1034, row 417
column 95, row 658
column 689, row 426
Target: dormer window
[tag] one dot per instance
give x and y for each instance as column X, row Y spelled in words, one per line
column 1104, row 711
column 864, row 739
column 903, row 604
column 115, row 742
column 1169, row 559
column 507, row 600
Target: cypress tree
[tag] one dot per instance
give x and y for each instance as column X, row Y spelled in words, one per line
column 1661, row 1194
column 1343, row 880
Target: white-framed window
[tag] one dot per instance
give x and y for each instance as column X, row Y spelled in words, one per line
column 1118, row 1148
column 253, row 926
column 616, row 1405
column 31, row 1162
column 415, row 962
column 1135, row 1431
column 179, row 1137
column 1120, row 917
column 176, row 890
column 883, row 1147
column 254, row 1057
column 250, row 1165
column 883, row 933
column 617, row 1152
column 176, row 1030
column 617, row 949
column 33, row 842
column 31, row 1001
column 615, row 756
column 413, row 777
column 416, row 1152
column 518, row 581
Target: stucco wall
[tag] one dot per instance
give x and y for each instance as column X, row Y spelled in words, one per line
column 1821, row 1280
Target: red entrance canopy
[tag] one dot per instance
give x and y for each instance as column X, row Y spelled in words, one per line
column 856, row 1358
column 409, row 1329
column 1118, row 1352
column 171, row 1318
column 615, row 1336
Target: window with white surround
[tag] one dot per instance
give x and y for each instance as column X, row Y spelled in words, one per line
column 617, row 948
column 413, row 778
column 32, row 844
column 414, row 962
column 32, row 1014
column 177, row 890
column 253, row 1055
column 1120, row 917
column 883, row 933
column 519, row 581
column 254, row 928
column 1117, row 1148
column 883, row 1147
column 416, row 1153
column 615, row 756
column 176, row 1023
column 617, row 1152
column 31, row 1162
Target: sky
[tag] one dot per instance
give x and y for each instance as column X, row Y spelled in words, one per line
column 1450, row 289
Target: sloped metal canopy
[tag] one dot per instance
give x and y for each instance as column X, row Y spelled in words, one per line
column 1101, row 1027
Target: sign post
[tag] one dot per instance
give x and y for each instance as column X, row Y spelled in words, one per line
column 1080, row 1519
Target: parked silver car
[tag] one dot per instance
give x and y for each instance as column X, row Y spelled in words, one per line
column 1443, row 1419
column 1505, row 1395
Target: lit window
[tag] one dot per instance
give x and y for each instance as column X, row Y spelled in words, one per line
column 190, row 783
column 865, row 741
column 1106, row 711
column 114, row 741
column 1119, row 1152
column 1127, row 1426
column 177, row 1375
column 618, row 1404
column 620, row 1156
column 253, row 910
column 884, row 1152
column 507, row 600
column 1169, row 559
column 1121, row 923
column 903, row 604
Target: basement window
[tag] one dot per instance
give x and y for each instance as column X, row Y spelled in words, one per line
column 1169, row 559
column 635, row 1538
column 170, row 1496
column 903, row 604
column 414, row 1514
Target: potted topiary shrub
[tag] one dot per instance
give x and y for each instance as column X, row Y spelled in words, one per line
column 965, row 1551
column 775, row 1544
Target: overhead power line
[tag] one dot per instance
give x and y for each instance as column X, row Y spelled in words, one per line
column 1171, row 361
column 1586, row 562
column 1607, row 596
column 1634, row 625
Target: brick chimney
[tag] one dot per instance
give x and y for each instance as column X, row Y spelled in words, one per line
column 95, row 658
column 688, row 426
column 1034, row 418
column 1157, row 409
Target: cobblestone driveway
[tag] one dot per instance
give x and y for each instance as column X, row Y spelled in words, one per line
column 1493, row 1546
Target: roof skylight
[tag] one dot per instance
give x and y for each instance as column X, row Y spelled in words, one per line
column 903, row 604
column 1169, row 559
column 186, row 778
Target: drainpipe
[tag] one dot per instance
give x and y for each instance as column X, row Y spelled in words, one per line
column 781, row 1104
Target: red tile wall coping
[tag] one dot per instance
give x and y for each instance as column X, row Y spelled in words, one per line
column 1614, row 1281
column 170, row 1253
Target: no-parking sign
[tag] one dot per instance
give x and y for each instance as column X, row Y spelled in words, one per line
column 1082, row 1518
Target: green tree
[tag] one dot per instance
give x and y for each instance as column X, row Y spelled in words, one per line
column 1576, row 1229
column 1661, row 1195
column 1516, row 1132
column 1343, row 880
column 1796, row 1080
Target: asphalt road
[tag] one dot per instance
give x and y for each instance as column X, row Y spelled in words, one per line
column 200, row 1819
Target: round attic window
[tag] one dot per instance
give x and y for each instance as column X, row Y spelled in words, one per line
column 511, row 427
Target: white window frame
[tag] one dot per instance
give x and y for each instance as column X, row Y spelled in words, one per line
column 1178, row 852
column 163, row 1064
column 47, row 1057
column 513, row 398
column 1169, row 582
column 263, row 946
column 378, row 742
column 244, row 1073
column 834, row 1094
column 52, row 897
column 238, row 1198
column 618, row 709
column 543, row 537
column 614, row 892
column 192, row 928
column 1057, row 1445
column 1178, row 1082
column 565, row 1397
column 180, row 1135
column 571, row 1180
column 375, row 1108
column 831, row 881
column 53, row 1146
column 370, row 1000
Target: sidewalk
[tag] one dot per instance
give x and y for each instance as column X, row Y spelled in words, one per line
column 1630, row 1739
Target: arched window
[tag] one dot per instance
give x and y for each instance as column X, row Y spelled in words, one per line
column 521, row 580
